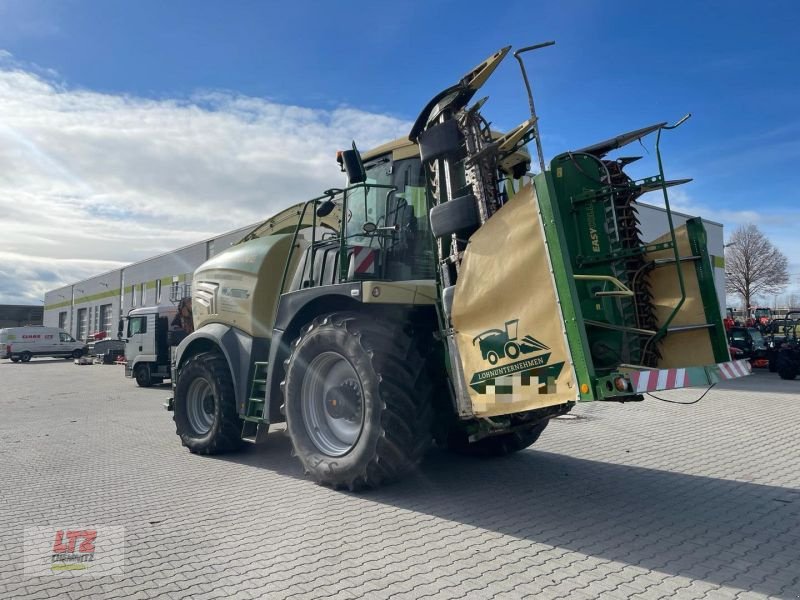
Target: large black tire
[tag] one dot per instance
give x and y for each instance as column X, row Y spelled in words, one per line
column 459, row 215
column 497, row 445
column 224, row 434
column 15, row 359
column 25, row 356
column 393, row 396
column 787, row 368
column 77, row 353
column 141, row 373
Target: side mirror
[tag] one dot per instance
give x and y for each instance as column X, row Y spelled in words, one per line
column 324, row 209
column 350, row 161
column 120, row 329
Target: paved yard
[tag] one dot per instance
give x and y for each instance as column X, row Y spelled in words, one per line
column 646, row 500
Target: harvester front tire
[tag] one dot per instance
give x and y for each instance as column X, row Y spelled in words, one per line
column 204, row 407
column 383, row 375
column 497, row 445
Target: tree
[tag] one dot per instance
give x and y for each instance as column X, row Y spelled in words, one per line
column 753, row 265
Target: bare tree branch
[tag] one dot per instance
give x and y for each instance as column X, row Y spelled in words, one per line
column 753, row 266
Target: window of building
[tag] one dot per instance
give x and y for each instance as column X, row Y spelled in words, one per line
column 143, row 294
column 133, row 296
column 62, row 319
column 158, row 291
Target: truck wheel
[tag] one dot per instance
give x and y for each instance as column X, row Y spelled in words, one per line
column 77, row 353
column 15, row 359
column 205, row 412
column 357, row 401
column 25, row 356
column 497, row 445
column 141, row 373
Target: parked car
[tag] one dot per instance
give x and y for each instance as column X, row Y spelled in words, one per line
column 20, row 344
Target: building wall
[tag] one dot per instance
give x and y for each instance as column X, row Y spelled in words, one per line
column 144, row 283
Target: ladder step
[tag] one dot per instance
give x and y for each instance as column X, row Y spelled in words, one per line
column 254, row 432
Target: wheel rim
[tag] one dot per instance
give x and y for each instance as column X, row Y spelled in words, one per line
column 26, row 356
column 331, row 400
column 200, row 406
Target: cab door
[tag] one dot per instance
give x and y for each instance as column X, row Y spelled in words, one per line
column 137, row 335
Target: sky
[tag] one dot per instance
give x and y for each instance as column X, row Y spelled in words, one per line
column 130, row 128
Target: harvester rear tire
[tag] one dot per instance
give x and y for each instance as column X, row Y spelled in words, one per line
column 209, row 371
column 497, row 445
column 389, row 404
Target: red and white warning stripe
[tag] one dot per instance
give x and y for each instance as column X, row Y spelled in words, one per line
column 670, row 379
column 734, row 369
column 661, row 379
column 364, row 259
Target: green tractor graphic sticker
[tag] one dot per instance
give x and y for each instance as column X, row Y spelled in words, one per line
column 495, row 344
column 513, row 379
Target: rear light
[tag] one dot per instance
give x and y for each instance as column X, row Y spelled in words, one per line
column 621, row 384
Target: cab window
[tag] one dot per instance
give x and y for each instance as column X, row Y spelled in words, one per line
column 65, row 337
column 137, row 325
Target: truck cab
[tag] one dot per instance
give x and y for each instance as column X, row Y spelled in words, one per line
column 147, row 353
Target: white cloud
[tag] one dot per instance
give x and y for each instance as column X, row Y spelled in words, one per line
column 97, row 179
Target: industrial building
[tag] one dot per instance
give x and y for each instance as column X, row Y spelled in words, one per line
column 96, row 304
column 19, row 315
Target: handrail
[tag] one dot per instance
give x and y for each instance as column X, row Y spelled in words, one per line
column 622, row 289
column 664, row 327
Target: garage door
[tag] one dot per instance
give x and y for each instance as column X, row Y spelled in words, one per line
column 82, row 324
column 105, row 318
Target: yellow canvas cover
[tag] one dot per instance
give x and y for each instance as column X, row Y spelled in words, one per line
column 686, row 348
column 509, row 328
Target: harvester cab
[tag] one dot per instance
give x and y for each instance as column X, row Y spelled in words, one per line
column 447, row 293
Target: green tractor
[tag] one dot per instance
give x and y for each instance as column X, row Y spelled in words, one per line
column 382, row 317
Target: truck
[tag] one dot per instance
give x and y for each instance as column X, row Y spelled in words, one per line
column 21, row 344
column 450, row 294
column 145, row 332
